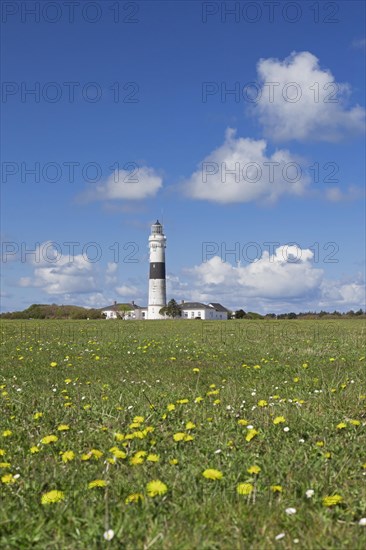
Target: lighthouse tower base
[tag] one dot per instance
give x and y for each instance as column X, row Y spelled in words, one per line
column 157, row 293
column 153, row 312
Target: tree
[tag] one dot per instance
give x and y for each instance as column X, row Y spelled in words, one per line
column 123, row 311
column 240, row 314
column 171, row 310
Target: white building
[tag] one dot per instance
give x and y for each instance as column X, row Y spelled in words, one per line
column 130, row 311
column 210, row 312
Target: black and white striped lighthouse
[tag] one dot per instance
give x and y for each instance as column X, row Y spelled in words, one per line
column 157, row 283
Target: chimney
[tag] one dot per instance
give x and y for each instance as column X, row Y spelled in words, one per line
column 133, row 303
column 182, row 302
column 115, row 303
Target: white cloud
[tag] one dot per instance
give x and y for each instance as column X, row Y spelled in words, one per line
column 139, row 183
column 335, row 194
column 359, row 44
column 128, row 291
column 301, row 101
column 75, row 279
column 111, row 273
column 342, row 294
column 288, row 272
column 256, row 176
column 60, row 274
column 286, row 280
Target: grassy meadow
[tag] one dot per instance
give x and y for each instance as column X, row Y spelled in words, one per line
column 183, row 435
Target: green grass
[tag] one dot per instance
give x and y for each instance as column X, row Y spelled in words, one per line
column 312, row 373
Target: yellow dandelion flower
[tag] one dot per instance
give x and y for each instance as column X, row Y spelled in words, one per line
column 171, row 407
column 276, row 488
column 190, row 426
column 86, row 456
column 5, row 465
column 196, row 369
column 34, row 450
column 119, row 437
column 243, row 422
column 244, row 488
column 211, row 473
column 138, row 435
column 7, row 433
column 182, row 401
column 332, row 500
column 364, row 466
column 49, row 439
column 67, row 456
column 173, row 461
column 198, row 399
column 37, row 415
column 63, row 427
column 97, row 483
column 139, row 419
column 341, row 426
column 136, row 460
column 251, row 433
column 52, row 496
column 217, row 402
column 2, row 452
column 134, row 498
column 156, row 488
column 116, row 452
column 153, row 458
column 140, row 453
column 319, row 443
column 67, row 380
column 279, row 420
column 134, row 425
column 94, row 453
column 179, row 436
column 254, row 470
column 188, row 437
column 355, row 422
column 262, row 403
column 8, row 478
column 53, row 364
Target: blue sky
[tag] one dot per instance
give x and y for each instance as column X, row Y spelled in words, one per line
column 158, row 75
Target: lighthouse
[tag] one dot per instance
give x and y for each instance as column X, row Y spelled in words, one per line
column 157, row 284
